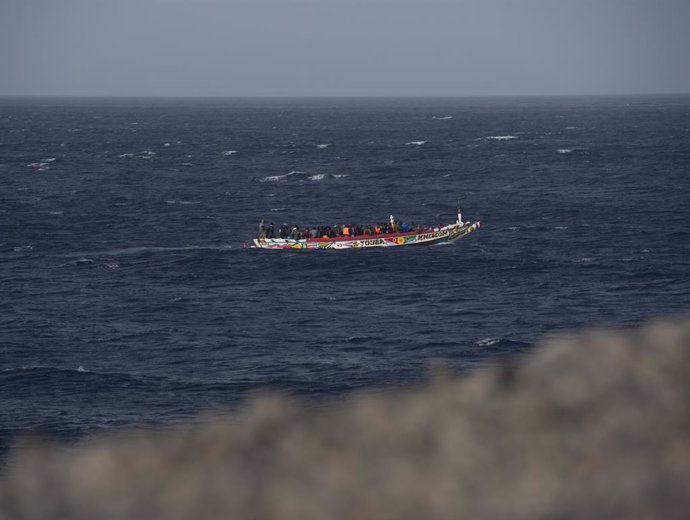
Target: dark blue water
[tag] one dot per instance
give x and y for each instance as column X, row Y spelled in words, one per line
column 129, row 301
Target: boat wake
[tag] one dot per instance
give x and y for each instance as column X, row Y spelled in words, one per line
column 136, row 250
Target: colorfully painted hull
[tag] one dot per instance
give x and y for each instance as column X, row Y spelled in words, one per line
column 427, row 237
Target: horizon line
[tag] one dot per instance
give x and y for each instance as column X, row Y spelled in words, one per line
column 333, row 96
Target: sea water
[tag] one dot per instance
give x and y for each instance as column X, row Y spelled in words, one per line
column 128, row 299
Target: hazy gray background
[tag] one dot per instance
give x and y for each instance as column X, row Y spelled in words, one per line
column 343, row 47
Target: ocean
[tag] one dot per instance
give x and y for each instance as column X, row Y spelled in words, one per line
column 128, row 300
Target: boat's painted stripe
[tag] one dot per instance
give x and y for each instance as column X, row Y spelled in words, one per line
column 445, row 234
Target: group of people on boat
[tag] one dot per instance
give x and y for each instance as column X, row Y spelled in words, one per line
column 268, row 230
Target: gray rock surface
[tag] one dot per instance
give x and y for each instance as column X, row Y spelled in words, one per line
column 595, row 426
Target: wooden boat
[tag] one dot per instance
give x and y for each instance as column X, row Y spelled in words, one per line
column 426, row 237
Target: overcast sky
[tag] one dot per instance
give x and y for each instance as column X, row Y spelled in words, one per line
column 343, row 47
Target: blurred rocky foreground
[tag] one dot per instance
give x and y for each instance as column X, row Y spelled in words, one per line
column 596, row 426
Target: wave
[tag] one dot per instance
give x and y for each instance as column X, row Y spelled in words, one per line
column 301, row 176
column 416, row 143
column 39, row 166
column 135, row 250
column 79, row 261
column 502, row 344
column 146, row 154
column 28, row 368
column 52, row 377
column 488, row 342
column 501, row 137
column 183, row 202
column 442, row 118
column 229, row 152
column 274, row 178
column 565, row 150
column 322, row 146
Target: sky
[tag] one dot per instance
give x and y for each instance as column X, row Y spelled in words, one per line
column 343, row 47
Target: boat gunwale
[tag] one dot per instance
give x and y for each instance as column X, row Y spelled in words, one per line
column 372, row 237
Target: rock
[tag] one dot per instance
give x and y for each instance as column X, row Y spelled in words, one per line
column 594, row 426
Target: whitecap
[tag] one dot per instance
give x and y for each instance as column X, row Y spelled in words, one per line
column 561, row 227
column 229, row 152
column 564, row 150
column 55, row 213
column 111, row 265
column 278, row 209
column 416, row 143
column 322, row 146
column 49, row 160
column 501, row 137
column 583, row 260
column 80, row 368
column 166, row 145
column 40, row 166
column 147, row 154
column 183, row 202
column 20, row 249
column 125, row 155
column 571, row 128
column 488, row 342
column 441, row 118
column 273, row 178
column 276, row 178
column 318, row 177
column 340, row 175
